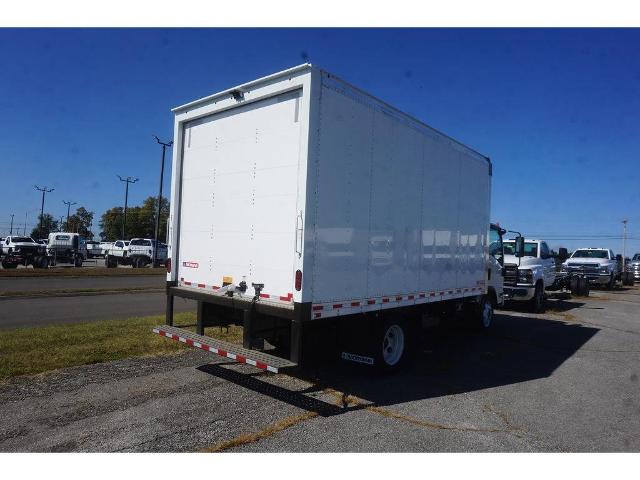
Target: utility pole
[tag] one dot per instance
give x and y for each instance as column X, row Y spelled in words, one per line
column 127, row 180
column 624, row 243
column 24, row 232
column 11, row 232
column 164, row 147
column 43, row 190
column 60, row 223
column 68, row 204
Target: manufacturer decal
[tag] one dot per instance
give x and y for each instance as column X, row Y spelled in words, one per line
column 352, row 357
column 190, row 264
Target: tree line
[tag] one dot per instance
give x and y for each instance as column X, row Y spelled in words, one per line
column 141, row 222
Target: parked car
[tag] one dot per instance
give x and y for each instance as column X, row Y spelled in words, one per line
column 16, row 250
column 93, row 249
column 139, row 253
column 526, row 278
column 598, row 265
column 66, row 247
column 633, row 266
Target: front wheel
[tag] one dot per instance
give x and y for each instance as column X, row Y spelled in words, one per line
column 612, row 282
column 537, row 302
column 483, row 313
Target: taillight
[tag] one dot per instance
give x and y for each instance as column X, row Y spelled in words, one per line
column 168, row 265
column 298, row 280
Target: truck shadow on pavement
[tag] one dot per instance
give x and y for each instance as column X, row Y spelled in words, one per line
column 446, row 361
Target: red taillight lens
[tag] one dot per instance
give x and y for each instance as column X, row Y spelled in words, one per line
column 298, row 280
column 168, row 265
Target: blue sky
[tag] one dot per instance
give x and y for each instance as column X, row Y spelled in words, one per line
column 558, row 111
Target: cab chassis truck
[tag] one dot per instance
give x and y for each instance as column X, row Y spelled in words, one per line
column 323, row 220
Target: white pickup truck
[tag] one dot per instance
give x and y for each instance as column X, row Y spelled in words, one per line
column 526, row 278
column 16, row 250
column 138, row 252
column 598, row 265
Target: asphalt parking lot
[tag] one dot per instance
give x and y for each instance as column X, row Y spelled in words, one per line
column 566, row 380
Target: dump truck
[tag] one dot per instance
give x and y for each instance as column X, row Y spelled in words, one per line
column 326, row 222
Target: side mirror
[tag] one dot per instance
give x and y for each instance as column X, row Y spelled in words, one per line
column 563, row 254
column 519, row 247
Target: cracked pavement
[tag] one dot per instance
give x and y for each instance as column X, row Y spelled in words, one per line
column 566, row 380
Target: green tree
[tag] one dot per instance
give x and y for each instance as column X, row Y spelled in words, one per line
column 111, row 224
column 141, row 221
column 48, row 225
column 80, row 222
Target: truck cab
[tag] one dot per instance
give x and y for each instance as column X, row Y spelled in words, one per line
column 598, row 265
column 527, row 277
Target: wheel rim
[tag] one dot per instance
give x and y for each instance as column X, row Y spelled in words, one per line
column 487, row 314
column 393, row 345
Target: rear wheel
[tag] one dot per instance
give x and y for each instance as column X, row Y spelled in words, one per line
column 391, row 343
column 9, row 266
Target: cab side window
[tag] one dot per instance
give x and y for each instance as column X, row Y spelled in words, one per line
column 544, row 251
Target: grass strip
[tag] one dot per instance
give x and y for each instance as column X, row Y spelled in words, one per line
column 77, row 291
column 33, row 350
column 80, row 272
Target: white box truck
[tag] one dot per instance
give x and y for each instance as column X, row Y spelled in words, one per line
column 323, row 219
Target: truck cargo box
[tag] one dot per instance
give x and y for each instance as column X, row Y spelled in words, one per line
column 327, row 199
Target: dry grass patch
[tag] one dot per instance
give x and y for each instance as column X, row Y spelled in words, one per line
column 79, row 272
column 29, row 351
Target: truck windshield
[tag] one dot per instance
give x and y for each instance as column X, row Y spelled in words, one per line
column 589, row 254
column 22, row 240
column 530, row 248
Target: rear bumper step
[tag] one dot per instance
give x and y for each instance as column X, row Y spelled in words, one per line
column 235, row 352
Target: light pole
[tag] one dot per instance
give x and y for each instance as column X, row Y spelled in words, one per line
column 11, row 232
column 24, row 232
column 164, row 147
column 127, row 180
column 68, row 204
column 624, row 243
column 43, row 190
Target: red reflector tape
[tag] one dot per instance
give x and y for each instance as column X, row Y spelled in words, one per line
column 337, row 305
column 201, row 285
column 355, row 304
column 410, row 297
column 371, row 302
column 385, row 300
column 317, row 307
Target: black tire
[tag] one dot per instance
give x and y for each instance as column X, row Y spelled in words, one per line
column 45, row 262
column 537, row 303
column 574, row 285
column 77, row 261
column 627, row 279
column 108, row 262
column 9, row 266
column 483, row 313
column 391, row 345
column 612, row 282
